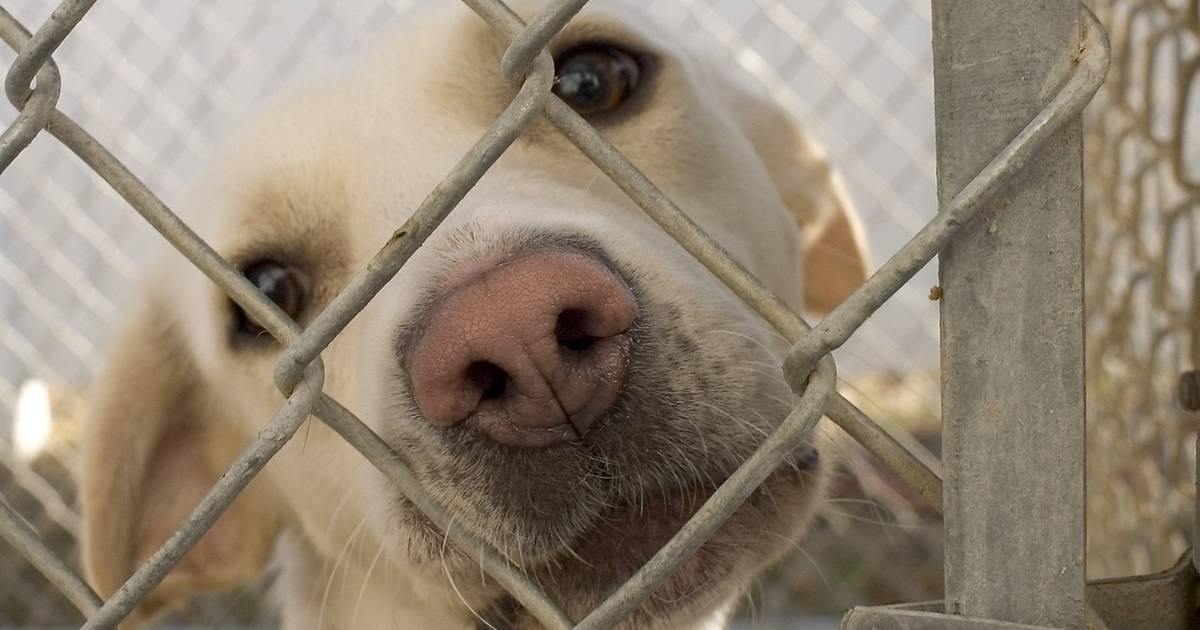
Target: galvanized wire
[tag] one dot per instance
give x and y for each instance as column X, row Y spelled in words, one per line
column 26, row 541
column 298, row 407
column 847, row 317
column 300, row 375
column 792, row 432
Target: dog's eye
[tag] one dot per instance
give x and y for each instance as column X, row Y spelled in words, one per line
column 594, row 79
column 285, row 286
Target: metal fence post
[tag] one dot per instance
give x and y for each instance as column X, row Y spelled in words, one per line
column 1012, row 319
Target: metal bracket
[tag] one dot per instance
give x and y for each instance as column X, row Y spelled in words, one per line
column 1169, row 600
column 901, row 618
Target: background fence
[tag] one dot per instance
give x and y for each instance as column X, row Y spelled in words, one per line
column 155, row 81
column 1142, row 201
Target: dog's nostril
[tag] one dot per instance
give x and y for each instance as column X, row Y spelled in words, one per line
column 570, row 331
column 490, row 378
column 578, row 344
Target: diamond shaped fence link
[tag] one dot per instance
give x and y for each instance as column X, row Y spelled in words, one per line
column 190, row 67
column 300, row 372
column 35, row 106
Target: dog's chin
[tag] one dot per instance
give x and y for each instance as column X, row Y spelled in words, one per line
column 627, row 535
column 592, row 545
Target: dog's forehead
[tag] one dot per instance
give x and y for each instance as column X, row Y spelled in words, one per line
column 376, row 137
column 438, row 62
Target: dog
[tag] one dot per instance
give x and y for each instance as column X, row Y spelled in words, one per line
column 557, row 371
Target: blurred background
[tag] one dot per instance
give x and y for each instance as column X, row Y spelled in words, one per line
column 157, row 82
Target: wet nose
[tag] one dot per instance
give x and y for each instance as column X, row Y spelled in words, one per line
column 533, row 351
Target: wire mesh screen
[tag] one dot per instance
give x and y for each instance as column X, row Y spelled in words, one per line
column 1143, row 164
column 156, row 82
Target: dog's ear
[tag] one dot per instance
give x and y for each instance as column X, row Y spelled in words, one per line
column 836, row 259
column 153, row 446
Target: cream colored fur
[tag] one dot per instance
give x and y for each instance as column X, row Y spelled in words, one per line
column 322, row 174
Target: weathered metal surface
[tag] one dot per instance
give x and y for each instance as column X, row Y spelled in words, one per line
column 1012, row 320
column 902, row 619
column 1169, row 600
column 1163, row 601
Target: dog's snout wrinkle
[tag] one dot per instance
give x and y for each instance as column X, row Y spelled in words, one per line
column 533, row 350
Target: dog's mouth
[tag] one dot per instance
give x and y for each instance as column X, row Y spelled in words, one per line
column 581, row 523
column 625, row 536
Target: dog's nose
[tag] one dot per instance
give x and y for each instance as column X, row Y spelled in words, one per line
column 533, row 351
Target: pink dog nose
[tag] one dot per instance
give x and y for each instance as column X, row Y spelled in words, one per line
column 534, row 350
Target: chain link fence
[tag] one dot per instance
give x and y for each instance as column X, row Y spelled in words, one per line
column 1142, row 203
column 154, row 81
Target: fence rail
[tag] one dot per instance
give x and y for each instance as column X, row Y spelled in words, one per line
column 33, row 85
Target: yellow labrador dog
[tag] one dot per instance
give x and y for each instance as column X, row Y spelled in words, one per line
column 558, row 372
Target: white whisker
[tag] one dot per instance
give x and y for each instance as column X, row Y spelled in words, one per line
column 333, row 574
column 362, row 591
column 450, row 577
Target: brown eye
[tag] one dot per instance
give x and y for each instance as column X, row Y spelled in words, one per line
column 594, row 79
column 285, row 286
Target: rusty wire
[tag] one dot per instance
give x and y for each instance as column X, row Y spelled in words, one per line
column 300, row 374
